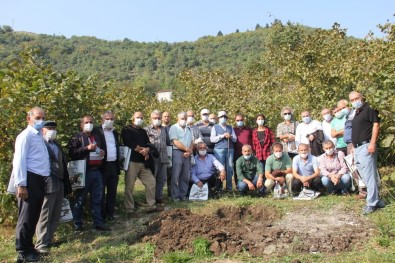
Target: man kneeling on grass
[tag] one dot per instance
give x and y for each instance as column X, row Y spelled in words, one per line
column 249, row 172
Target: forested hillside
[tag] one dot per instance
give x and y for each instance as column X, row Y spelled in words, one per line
column 150, row 65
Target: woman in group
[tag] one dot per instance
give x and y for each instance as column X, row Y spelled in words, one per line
column 286, row 132
column 334, row 171
column 262, row 140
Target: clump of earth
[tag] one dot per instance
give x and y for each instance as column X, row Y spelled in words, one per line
column 259, row 230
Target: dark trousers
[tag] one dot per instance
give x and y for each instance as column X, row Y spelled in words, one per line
column 315, row 184
column 110, row 178
column 237, row 156
column 29, row 212
column 169, row 172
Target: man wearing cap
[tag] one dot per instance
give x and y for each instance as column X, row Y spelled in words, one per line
column 31, row 168
column 87, row 146
column 110, row 169
column 223, row 136
column 205, row 126
column 365, row 132
column 57, row 186
column 181, row 138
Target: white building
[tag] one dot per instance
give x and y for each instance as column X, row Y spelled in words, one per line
column 164, row 95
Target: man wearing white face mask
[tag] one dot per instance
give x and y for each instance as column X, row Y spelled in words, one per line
column 205, row 126
column 196, row 134
column 278, row 168
column 158, row 137
column 110, row 168
column 181, row 137
column 206, row 167
column 305, row 170
column 326, row 124
column 31, row 168
column 87, row 146
column 310, row 132
column 57, row 186
column 136, row 138
column 223, row 136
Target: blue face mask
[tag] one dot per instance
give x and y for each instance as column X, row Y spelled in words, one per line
column 345, row 111
column 306, row 119
column 38, row 124
column 222, row 120
column 247, row 157
column 240, row 123
column 357, row 104
column 339, row 114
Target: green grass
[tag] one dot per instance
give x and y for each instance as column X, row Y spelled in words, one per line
column 122, row 244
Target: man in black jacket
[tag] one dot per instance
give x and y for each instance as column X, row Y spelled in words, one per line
column 87, row 146
column 57, row 186
column 110, row 166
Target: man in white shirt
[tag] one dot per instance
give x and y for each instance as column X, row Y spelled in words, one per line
column 309, row 132
column 31, row 168
column 326, row 124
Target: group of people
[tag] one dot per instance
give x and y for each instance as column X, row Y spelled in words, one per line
column 309, row 154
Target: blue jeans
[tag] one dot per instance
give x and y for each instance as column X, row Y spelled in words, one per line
column 343, row 185
column 243, row 187
column 367, row 167
column 181, row 174
column 93, row 186
column 227, row 161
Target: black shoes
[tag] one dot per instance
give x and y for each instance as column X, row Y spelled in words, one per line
column 27, row 257
column 102, row 228
column 78, row 228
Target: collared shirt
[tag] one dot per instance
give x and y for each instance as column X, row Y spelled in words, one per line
column 196, row 134
column 214, row 138
column 262, row 151
column 110, row 144
column 305, row 167
column 283, row 129
column 338, row 125
column 184, row 135
column 327, row 130
column 54, row 148
column 335, row 165
column 282, row 163
column 247, row 169
column 31, row 155
column 244, row 136
column 362, row 124
column 158, row 138
column 304, row 129
column 204, row 169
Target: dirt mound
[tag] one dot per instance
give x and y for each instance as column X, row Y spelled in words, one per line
column 258, row 230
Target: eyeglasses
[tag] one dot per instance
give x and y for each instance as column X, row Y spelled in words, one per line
column 287, row 113
column 239, row 120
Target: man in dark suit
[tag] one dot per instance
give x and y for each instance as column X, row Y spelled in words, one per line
column 57, row 186
column 110, row 167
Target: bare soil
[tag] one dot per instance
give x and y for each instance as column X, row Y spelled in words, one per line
column 259, row 230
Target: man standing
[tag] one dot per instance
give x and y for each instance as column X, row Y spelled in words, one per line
column 181, row 138
column 249, row 172
column 205, row 126
column 326, row 125
column 223, row 136
column 158, row 137
column 166, row 119
column 310, row 132
column 365, row 127
column 337, row 125
column 31, row 168
column 87, row 146
column 136, row 138
column 110, row 167
column 57, row 186
column 196, row 134
column 244, row 136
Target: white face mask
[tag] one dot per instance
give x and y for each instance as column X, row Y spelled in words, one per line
column 278, row 154
column 182, row 123
column 204, row 118
column 88, row 127
column 190, row 120
column 287, row 117
column 329, row 152
column 327, row 117
column 138, row 122
column 339, row 114
column 108, row 124
column 156, row 122
column 260, row 122
column 50, row 135
column 303, row 155
column 202, row 152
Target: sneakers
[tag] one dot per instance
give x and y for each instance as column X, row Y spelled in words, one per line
column 380, row 203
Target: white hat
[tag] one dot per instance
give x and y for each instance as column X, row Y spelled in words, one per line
column 204, row 111
column 222, row 113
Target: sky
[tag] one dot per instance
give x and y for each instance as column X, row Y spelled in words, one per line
column 187, row 20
